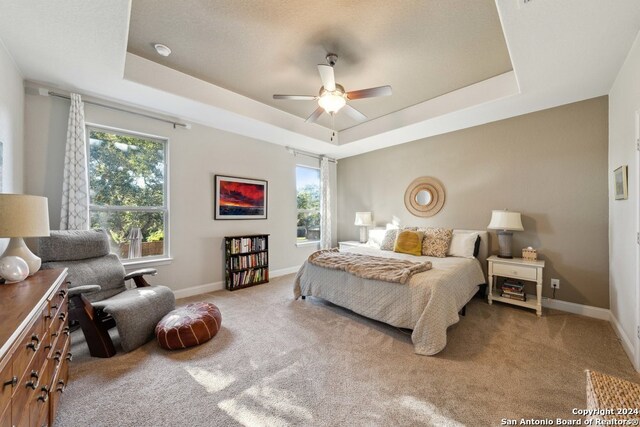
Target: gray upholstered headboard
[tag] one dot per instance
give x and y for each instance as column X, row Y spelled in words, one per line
column 483, row 253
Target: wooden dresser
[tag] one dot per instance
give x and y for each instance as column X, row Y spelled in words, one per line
column 34, row 348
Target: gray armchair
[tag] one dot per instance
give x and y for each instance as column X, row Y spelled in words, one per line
column 98, row 297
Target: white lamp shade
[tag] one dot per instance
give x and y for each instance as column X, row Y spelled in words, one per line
column 364, row 219
column 22, row 215
column 505, row 220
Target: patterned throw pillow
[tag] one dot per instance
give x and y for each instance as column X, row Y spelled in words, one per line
column 389, row 240
column 409, row 242
column 436, row 241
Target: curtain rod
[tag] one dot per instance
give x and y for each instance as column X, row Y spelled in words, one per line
column 308, row 154
column 148, row 116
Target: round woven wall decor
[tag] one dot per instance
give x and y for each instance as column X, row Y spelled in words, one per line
column 433, row 204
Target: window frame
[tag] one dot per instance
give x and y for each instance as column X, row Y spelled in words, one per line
column 154, row 259
column 319, row 210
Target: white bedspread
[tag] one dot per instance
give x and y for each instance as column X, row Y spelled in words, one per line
column 428, row 303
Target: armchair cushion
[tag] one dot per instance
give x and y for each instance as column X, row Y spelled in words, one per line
column 137, row 311
column 106, row 271
column 83, row 289
column 70, row 245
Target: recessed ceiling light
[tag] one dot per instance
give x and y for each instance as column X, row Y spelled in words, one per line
column 162, row 49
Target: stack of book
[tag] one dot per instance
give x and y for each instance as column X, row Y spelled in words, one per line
column 513, row 290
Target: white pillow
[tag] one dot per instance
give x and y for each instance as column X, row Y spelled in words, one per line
column 375, row 237
column 462, row 244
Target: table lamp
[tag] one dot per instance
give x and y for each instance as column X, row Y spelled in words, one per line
column 21, row 216
column 363, row 220
column 505, row 222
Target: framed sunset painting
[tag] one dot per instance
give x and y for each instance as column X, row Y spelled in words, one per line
column 240, row 198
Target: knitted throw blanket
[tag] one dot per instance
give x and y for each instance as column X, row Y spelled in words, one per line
column 369, row 267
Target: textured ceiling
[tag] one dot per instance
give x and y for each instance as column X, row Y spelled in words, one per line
column 422, row 48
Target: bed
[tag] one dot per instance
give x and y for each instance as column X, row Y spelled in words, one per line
column 428, row 303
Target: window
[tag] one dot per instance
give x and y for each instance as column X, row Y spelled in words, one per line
column 308, row 197
column 128, row 191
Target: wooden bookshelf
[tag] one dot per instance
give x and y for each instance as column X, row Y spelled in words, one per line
column 246, row 261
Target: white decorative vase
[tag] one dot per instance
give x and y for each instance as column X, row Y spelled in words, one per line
column 13, row 269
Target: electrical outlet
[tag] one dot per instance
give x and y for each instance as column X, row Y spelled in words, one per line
column 555, row 283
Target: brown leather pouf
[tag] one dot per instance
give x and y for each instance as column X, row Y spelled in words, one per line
column 190, row 325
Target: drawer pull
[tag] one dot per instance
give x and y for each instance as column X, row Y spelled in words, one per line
column 69, row 357
column 33, row 384
column 47, row 347
column 33, row 346
column 54, row 334
column 66, row 331
column 35, row 338
column 57, row 356
column 12, row 382
column 61, row 386
column 47, row 316
column 54, row 307
column 62, row 316
column 45, row 394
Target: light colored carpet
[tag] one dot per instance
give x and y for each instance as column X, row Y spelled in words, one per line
column 281, row 362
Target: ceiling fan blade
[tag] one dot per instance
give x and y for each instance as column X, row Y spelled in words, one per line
column 353, row 113
column 315, row 115
column 369, row 93
column 327, row 76
column 296, row 97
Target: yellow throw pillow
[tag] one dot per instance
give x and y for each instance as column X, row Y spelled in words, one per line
column 409, row 242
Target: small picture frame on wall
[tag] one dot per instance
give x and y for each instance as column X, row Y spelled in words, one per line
column 620, row 183
column 240, row 198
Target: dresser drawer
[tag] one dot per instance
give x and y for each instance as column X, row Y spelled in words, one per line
column 25, row 391
column 7, row 381
column 5, row 418
column 30, row 346
column 515, row 271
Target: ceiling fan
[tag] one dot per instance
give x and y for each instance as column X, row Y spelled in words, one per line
column 332, row 97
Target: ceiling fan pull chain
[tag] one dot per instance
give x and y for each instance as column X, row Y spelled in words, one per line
column 333, row 127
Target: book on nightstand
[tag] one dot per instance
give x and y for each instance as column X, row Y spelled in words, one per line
column 513, row 290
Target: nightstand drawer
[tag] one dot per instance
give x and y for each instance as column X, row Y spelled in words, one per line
column 515, row 271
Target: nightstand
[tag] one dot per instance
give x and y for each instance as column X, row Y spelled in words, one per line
column 350, row 244
column 516, row 268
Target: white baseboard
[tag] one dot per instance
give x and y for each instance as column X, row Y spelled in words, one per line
column 571, row 307
column 284, row 271
column 197, row 290
column 627, row 343
column 218, row 286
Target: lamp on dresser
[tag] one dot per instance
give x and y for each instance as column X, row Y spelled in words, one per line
column 363, row 220
column 505, row 222
column 22, row 215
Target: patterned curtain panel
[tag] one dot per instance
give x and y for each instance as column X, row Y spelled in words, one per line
column 75, row 188
column 325, row 205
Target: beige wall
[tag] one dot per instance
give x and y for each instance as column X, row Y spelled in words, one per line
column 194, row 157
column 11, row 126
column 550, row 165
column 624, row 117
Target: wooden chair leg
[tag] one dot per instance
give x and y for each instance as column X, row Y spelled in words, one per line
column 96, row 333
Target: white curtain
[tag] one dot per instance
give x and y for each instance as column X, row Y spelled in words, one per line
column 74, row 214
column 325, row 204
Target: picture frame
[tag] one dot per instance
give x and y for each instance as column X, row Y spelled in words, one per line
column 240, row 198
column 620, row 183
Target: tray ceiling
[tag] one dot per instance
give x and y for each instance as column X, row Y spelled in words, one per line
column 422, row 48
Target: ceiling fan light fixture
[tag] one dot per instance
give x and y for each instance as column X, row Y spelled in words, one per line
column 332, row 102
column 163, row 50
